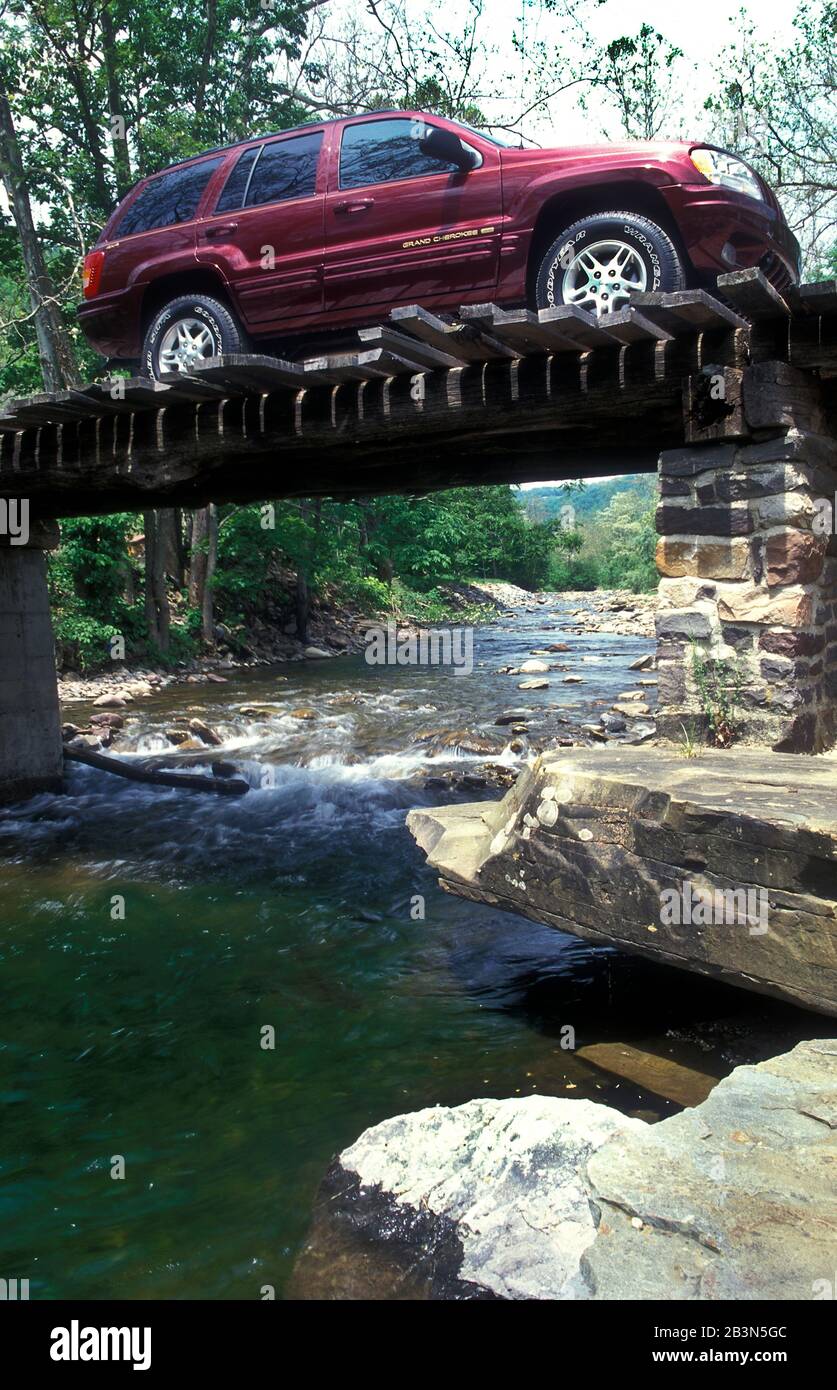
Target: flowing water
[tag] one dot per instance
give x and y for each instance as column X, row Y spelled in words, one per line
column 292, row 908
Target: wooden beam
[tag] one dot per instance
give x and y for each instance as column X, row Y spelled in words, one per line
column 750, row 292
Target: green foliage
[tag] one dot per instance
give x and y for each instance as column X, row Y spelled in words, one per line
column 606, row 537
column 718, row 684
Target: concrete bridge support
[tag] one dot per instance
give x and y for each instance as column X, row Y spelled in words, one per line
column 747, row 627
column 30, row 723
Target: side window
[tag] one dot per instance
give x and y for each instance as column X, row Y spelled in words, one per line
column 232, row 194
column 286, row 169
column 173, row 197
column 380, row 151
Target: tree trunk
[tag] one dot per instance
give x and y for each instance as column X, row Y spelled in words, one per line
column 168, row 538
column 58, row 364
column 158, row 615
column 303, row 605
column 116, row 110
column 202, row 568
column 207, row 607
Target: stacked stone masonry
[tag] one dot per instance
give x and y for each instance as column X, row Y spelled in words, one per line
column 748, row 564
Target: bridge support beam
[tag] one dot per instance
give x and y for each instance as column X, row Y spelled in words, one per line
column 747, row 625
column 31, row 758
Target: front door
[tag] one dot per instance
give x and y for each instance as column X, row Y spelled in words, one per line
column 266, row 233
column 403, row 226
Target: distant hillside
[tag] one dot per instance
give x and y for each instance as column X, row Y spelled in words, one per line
column 545, row 503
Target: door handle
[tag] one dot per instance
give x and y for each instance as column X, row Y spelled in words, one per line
column 219, row 229
column 361, row 205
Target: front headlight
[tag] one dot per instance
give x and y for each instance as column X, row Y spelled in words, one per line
column 727, row 171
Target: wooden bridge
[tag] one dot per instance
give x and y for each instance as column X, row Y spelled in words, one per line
column 425, row 404
column 734, row 396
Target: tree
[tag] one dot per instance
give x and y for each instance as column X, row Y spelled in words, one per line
column 56, row 357
column 778, row 110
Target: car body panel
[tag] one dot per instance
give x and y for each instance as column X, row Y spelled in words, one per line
column 348, row 256
column 269, row 256
column 423, row 237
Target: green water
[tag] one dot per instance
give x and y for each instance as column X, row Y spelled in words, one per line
column 290, row 908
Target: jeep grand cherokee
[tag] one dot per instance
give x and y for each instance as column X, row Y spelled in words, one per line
column 336, row 223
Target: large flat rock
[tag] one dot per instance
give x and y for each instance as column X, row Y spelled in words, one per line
column 551, row 1198
column 591, row 841
column 735, row 1199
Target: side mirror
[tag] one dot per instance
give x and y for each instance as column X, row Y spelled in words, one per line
column 447, row 148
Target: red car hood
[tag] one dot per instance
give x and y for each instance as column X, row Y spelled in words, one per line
column 627, row 151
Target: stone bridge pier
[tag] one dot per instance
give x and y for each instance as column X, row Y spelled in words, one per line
column 30, row 723
column 747, row 625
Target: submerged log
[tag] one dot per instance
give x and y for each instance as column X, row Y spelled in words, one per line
column 224, row 786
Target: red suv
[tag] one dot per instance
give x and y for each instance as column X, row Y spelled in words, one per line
column 336, row 223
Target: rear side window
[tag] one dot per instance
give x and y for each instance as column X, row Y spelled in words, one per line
column 173, row 197
column 381, row 151
column 235, row 188
column 285, row 169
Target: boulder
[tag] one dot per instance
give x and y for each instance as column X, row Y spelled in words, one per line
column 486, row 1200
column 731, row 1200
column 533, row 668
column 316, row 654
column 204, row 733
column 547, row 1198
column 533, row 685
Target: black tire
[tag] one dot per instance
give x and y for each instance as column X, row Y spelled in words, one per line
column 226, row 333
column 664, row 270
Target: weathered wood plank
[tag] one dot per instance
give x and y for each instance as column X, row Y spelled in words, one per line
column 576, row 326
column 461, row 340
column 630, row 325
column 257, row 374
column 817, row 298
column 686, row 311
column 750, row 292
column 407, row 348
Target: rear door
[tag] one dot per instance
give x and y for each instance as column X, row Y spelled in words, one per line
column 403, row 226
column 266, row 233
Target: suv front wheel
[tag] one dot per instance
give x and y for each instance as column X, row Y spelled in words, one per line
column 600, row 262
column 186, row 333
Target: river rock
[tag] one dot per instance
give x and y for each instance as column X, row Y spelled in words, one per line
column 482, row 1201
column 632, row 709
column 204, row 733
column 512, row 716
column 533, row 685
column 304, row 712
column 533, row 668
column 316, row 654
column 734, row 1199
column 110, row 700
column 642, row 663
column 551, row 1198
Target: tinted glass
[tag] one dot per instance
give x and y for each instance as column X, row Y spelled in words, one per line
column 173, row 197
column 385, row 150
column 286, row 169
column 232, row 195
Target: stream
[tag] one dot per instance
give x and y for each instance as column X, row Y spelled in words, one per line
column 139, row 1034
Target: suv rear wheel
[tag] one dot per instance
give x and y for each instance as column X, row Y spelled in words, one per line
column 601, row 261
column 186, row 333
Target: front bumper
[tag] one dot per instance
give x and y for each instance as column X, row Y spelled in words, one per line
column 724, row 231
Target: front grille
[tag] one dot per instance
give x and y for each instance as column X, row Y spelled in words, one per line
column 775, row 270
